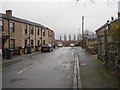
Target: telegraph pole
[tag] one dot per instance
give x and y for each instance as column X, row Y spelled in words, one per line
column 83, row 42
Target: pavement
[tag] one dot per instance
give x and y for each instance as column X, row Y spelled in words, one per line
column 17, row 58
column 93, row 72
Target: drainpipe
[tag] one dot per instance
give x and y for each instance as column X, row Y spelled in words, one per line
column 29, row 46
column 35, row 40
column 9, row 14
column 41, row 35
column 105, row 43
column 9, row 33
column 29, row 36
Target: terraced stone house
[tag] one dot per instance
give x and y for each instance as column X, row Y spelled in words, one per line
column 19, row 34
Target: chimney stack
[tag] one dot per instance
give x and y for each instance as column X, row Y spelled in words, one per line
column 9, row 12
column 112, row 18
column 118, row 9
column 107, row 21
column 118, row 14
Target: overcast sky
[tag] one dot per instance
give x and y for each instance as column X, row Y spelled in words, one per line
column 64, row 16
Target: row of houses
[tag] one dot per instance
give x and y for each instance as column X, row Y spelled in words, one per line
column 108, row 44
column 19, row 34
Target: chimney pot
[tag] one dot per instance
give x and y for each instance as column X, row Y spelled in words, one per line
column 9, row 12
column 112, row 18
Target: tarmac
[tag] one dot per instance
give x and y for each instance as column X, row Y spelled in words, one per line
column 88, row 71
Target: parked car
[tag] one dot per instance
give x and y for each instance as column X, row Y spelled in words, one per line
column 72, row 44
column 46, row 48
column 60, row 45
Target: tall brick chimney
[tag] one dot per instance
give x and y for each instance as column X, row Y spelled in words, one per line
column 9, row 12
column 119, row 9
column 118, row 14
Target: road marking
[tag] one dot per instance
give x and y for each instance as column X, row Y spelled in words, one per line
column 75, row 76
column 83, row 64
column 24, row 69
column 79, row 73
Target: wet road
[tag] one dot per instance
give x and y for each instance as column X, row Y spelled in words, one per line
column 43, row 70
column 55, row 70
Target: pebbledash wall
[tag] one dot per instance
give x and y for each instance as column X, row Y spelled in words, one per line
column 18, row 34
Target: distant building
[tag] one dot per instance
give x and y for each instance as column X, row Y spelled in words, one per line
column 65, row 37
column 60, row 37
column 69, row 37
column 74, row 38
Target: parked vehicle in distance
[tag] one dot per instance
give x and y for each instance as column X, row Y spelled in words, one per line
column 72, row 44
column 60, row 45
column 46, row 48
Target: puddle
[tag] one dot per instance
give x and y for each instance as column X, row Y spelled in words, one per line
column 83, row 64
column 16, row 79
column 66, row 66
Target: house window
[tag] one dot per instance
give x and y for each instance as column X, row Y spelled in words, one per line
column 48, row 33
column 25, row 29
column 38, row 42
column 109, row 38
column 11, row 27
column 43, row 41
column 12, row 43
column 25, row 43
column 1, row 25
column 38, row 32
column 43, row 32
column 32, row 30
column 31, row 42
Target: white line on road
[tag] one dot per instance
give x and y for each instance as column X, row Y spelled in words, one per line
column 79, row 73
column 83, row 64
column 75, row 76
column 24, row 69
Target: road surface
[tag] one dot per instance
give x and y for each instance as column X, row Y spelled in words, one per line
column 56, row 70
column 43, row 70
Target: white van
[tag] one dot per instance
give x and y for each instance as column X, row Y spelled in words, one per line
column 60, row 45
column 72, row 44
